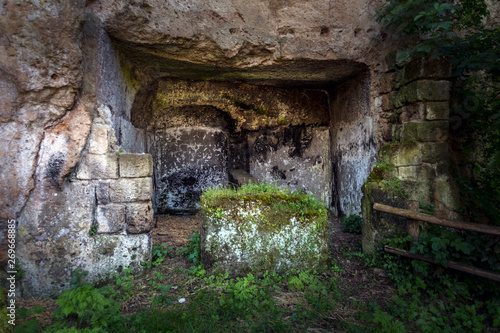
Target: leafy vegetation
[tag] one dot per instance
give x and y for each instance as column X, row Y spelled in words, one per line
column 160, row 252
column 87, row 306
column 352, row 223
column 193, row 249
column 428, row 299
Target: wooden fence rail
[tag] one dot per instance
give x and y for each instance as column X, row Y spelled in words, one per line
column 451, row 264
column 486, row 229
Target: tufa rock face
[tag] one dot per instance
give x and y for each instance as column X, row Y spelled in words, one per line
column 243, row 34
column 81, row 81
column 40, row 73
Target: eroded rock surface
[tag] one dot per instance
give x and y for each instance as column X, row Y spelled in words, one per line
column 76, row 91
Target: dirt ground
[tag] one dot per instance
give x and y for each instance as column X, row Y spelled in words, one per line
column 358, row 283
column 175, row 229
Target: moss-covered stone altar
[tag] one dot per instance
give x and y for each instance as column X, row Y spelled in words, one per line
column 261, row 228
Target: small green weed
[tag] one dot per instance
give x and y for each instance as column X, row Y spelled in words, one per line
column 93, row 230
column 352, row 223
column 395, row 186
column 29, row 326
column 119, row 151
column 124, row 283
column 193, row 248
column 160, row 252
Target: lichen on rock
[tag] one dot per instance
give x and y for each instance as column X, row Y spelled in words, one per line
column 261, row 228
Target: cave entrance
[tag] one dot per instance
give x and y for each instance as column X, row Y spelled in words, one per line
column 301, row 124
column 199, row 133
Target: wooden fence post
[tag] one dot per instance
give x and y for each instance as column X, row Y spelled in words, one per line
column 413, row 226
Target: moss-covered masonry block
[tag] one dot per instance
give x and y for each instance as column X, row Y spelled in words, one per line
column 402, row 154
column 376, row 225
column 408, row 173
column 422, row 90
column 432, row 131
column 261, row 233
column 417, row 182
column 434, row 152
column 409, row 131
column 135, row 165
column 437, row 111
column 426, row 68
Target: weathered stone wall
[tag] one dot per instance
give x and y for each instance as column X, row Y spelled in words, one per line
column 294, row 157
column 40, row 74
column 187, row 161
column 416, row 157
column 67, row 221
column 352, row 143
column 70, row 69
column 99, row 220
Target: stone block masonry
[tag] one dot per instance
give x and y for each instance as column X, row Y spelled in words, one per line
column 124, row 204
column 413, row 164
column 102, row 224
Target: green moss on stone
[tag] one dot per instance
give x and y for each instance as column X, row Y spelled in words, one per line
column 379, row 172
column 262, row 227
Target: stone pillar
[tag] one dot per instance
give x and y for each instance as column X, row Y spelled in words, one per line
column 413, row 165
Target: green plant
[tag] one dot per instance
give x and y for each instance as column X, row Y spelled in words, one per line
column 93, row 230
column 352, row 223
column 87, row 305
column 31, row 325
column 295, row 283
column 193, row 248
column 124, row 283
column 163, row 297
column 394, row 185
column 428, row 208
column 380, row 172
column 119, row 151
column 160, row 252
